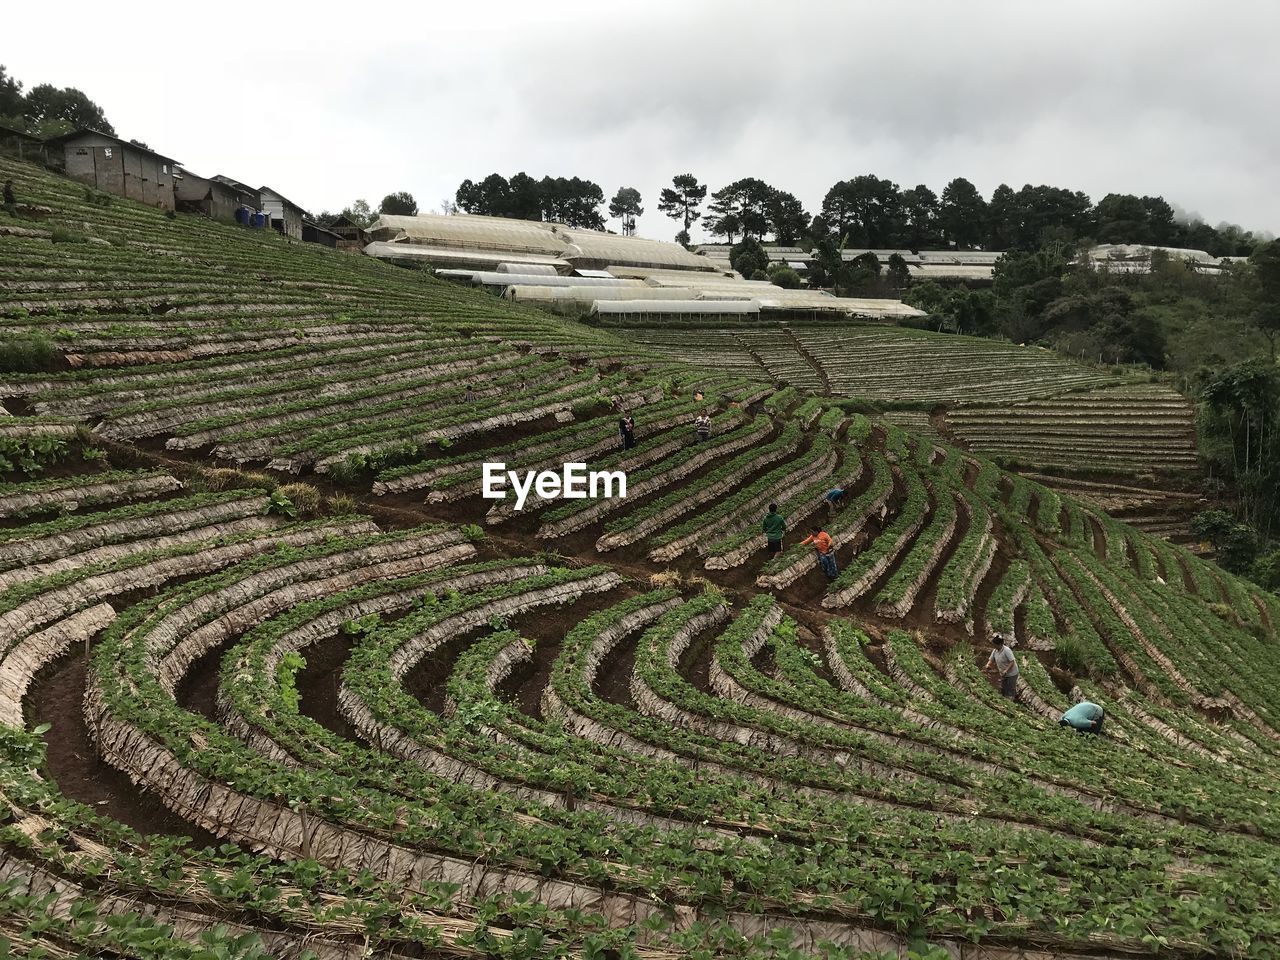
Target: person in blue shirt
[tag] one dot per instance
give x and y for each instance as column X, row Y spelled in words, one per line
column 1084, row 716
column 834, row 498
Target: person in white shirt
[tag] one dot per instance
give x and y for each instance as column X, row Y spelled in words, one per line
column 1002, row 659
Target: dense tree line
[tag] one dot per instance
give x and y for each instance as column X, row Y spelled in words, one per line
column 864, row 211
column 46, row 110
column 568, row 200
column 867, row 211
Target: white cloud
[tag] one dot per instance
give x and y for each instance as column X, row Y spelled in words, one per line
column 331, row 101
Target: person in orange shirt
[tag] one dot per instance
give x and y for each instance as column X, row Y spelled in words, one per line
column 821, row 541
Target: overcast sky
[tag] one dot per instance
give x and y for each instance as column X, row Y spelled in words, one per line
column 328, row 102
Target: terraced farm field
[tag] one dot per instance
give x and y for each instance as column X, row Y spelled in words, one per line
column 1024, row 406
column 883, row 363
column 272, row 670
column 1139, row 429
column 1129, row 450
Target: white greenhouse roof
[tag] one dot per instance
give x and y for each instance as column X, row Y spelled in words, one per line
column 456, row 257
column 490, row 278
column 586, row 294
column 587, row 248
column 676, row 307
column 508, row 266
column 867, row 307
column 608, row 248
column 961, row 256
column 951, row 271
column 1136, row 251
column 655, row 273
column 484, row 233
column 718, row 285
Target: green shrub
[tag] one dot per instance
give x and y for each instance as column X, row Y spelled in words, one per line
column 31, row 455
column 1071, row 654
column 473, row 532
column 287, row 677
column 343, row 504
column 97, row 198
column 63, row 235
column 350, row 471
column 30, row 353
column 362, row 626
column 280, row 504
column 785, row 277
column 304, row 497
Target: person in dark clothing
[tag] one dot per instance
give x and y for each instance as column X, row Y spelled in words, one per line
column 627, row 429
column 703, row 425
column 834, row 498
column 10, row 200
column 774, row 526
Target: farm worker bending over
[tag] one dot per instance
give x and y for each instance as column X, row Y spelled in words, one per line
column 775, row 525
column 834, row 497
column 1084, row 716
column 821, row 541
column 1003, row 660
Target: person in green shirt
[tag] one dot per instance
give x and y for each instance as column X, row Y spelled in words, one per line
column 1084, row 716
column 775, row 525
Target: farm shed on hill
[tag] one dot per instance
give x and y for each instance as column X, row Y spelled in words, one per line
column 286, row 216
column 116, row 166
column 351, row 236
column 312, row 232
column 211, row 197
column 24, row 146
column 248, row 195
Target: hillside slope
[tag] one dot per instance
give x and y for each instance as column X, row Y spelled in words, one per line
column 1092, row 430
column 432, row 725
